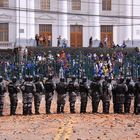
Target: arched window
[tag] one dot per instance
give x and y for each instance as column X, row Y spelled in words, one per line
column 76, row 4
column 106, row 5
column 45, row 4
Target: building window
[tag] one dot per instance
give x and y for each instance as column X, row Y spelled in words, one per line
column 45, row 5
column 76, row 4
column 4, row 3
column 106, row 5
column 4, row 32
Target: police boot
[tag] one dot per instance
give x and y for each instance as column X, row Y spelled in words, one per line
column 11, row 110
column 84, row 107
column 81, row 108
column 30, row 111
column 48, row 110
column 106, row 108
column 120, row 109
column 62, row 109
column 95, row 108
column 127, row 108
column 114, row 108
column 58, row 109
column 1, row 113
column 25, row 111
column 37, row 111
column 72, row 108
column 14, row 111
column 137, row 110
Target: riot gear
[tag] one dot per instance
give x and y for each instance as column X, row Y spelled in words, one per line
column 84, row 91
column 72, row 89
column 38, row 94
column 96, row 91
column 137, row 97
column 28, row 89
column 61, row 89
column 2, row 91
column 121, row 88
column 106, row 95
column 49, row 92
column 13, row 89
column 128, row 96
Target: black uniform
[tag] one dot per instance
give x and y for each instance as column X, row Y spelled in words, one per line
column 2, row 91
column 128, row 96
column 121, row 89
column 61, row 89
column 114, row 98
column 84, row 91
column 49, row 92
column 13, row 89
column 96, row 92
column 38, row 94
column 28, row 89
column 72, row 89
column 137, row 98
column 106, row 95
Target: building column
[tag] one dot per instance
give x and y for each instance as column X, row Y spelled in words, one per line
column 94, row 21
column 25, row 22
column 124, row 26
column 63, row 23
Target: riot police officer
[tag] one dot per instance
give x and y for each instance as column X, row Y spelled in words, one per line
column 128, row 95
column 38, row 94
column 13, row 89
column 96, row 92
column 106, row 94
column 137, row 97
column 72, row 89
column 28, row 89
column 61, row 89
column 84, row 91
column 49, row 92
column 121, row 88
column 114, row 96
column 2, row 91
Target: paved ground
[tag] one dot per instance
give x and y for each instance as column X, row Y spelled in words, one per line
column 67, row 126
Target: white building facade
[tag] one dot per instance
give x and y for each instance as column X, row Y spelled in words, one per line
column 74, row 20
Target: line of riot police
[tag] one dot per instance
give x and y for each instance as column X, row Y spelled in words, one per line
column 120, row 91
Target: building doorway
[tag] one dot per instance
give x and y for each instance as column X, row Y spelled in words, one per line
column 76, row 36
column 45, row 34
column 107, row 35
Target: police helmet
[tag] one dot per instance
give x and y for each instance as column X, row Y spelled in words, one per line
column 73, row 77
column 26, row 78
column 106, row 78
column 84, row 79
column 50, row 76
column 121, row 79
column 62, row 79
column 109, row 80
column 14, row 79
column 30, row 78
column 128, row 79
column 95, row 78
column 1, row 78
column 36, row 78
